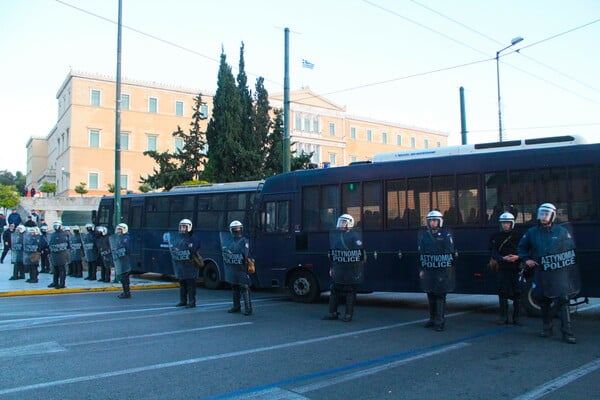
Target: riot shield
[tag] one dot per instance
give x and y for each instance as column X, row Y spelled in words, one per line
column 181, row 247
column 119, row 254
column 89, row 249
column 436, row 261
column 31, row 248
column 58, row 243
column 234, row 252
column 16, row 247
column 347, row 256
column 76, row 247
column 559, row 270
column 104, row 252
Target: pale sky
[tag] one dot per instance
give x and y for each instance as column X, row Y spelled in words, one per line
column 375, row 57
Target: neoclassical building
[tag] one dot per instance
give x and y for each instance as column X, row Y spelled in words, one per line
column 81, row 145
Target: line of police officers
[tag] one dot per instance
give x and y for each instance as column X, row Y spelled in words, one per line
column 546, row 251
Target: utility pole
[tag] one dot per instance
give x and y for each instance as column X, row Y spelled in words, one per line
column 117, row 185
column 286, row 103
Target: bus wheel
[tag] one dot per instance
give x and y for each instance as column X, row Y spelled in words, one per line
column 210, row 275
column 303, row 286
column 531, row 307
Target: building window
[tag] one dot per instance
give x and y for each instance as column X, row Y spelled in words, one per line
column 204, row 111
column 153, row 105
column 94, row 138
column 316, row 124
column 178, row 145
column 352, row 133
column 413, row 142
column 179, row 108
column 369, row 135
column 331, row 129
column 298, row 122
column 398, row 140
column 124, row 102
column 95, row 97
column 333, row 158
column 307, row 124
column 124, row 181
column 426, row 143
column 93, row 180
column 151, row 143
column 438, row 144
column 384, row 137
column 124, row 141
column 353, row 159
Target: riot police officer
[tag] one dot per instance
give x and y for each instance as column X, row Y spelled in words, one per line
column 90, row 251
column 60, row 254
column 236, row 251
column 183, row 247
column 31, row 252
column 503, row 245
column 105, row 259
column 44, row 250
column 437, row 270
column 549, row 249
column 347, row 258
column 120, row 245
column 16, row 253
column 76, row 253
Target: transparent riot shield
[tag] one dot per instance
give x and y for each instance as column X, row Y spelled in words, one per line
column 181, row 247
column 436, row 261
column 76, row 247
column 559, row 270
column 234, row 252
column 347, row 256
column 16, row 247
column 120, row 257
column 31, row 248
column 104, row 251
column 89, row 249
column 58, row 244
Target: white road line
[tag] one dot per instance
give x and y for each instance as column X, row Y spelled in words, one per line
column 561, row 381
column 38, row 348
column 148, row 335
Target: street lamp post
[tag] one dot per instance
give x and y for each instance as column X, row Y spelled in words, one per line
column 512, row 43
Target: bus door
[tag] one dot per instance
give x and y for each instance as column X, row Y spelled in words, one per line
column 274, row 248
column 134, row 221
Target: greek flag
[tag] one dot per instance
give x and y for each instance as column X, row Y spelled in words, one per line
column 307, row 64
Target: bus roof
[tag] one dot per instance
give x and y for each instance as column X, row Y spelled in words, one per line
column 228, row 186
column 493, row 147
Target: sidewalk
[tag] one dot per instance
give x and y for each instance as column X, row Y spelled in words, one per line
column 73, row 285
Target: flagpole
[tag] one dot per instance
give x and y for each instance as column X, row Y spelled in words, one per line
column 286, row 103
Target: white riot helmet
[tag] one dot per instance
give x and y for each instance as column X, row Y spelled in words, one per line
column 546, row 209
column 507, row 217
column 56, row 225
column 21, row 229
column 75, row 228
column 89, row 227
column 435, row 215
column 102, row 230
column 345, row 221
column 185, row 222
column 123, row 227
column 44, row 228
column 236, row 227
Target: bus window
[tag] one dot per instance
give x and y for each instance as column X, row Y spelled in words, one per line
column 310, row 207
column 496, row 196
column 468, row 198
column 372, row 205
column 104, row 215
column 418, row 201
column 135, row 221
column 582, row 195
column 523, row 196
column 443, row 197
column 180, row 207
column 275, row 218
column 236, row 201
column 211, row 221
column 396, row 204
column 553, row 189
column 351, row 201
column 329, row 210
column 157, row 209
column 125, row 207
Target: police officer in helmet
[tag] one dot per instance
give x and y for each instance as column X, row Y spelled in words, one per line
column 236, row 252
column 183, row 247
column 549, row 249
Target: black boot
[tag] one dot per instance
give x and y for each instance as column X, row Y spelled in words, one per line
column 546, row 319
column 62, row 273
column 517, row 310
column 125, row 282
column 191, row 293
column 15, row 274
column 333, row 306
column 235, row 289
column 350, row 301
column 247, row 300
column 182, row 293
column 565, row 320
column 440, row 312
column 431, row 301
column 503, row 318
column 54, row 277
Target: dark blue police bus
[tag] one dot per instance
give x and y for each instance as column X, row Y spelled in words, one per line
column 390, row 197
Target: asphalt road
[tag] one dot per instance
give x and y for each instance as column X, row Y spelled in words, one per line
column 94, row 346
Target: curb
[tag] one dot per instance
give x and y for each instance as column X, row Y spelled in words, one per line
column 84, row 290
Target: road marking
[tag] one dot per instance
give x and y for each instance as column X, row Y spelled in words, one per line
column 204, row 328
column 561, row 381
column 38, row 348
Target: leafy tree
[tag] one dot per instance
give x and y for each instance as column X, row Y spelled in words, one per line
column 168, row 173
column 144, row 188
column 111, row 188
column 262, row 125
column 8, row 197
column 20, row 180
column 81, row 189
column 224, row 131
column 7, row 178
column 48, row 187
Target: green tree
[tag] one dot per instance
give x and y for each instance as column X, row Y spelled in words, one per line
column 7, row 178
column 9, row 198
column 81, row 188
column 48, row 187
column 20, row 180
column 144, row 188
column 224, row 131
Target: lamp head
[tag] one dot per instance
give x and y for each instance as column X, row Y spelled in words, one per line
column 516, row 40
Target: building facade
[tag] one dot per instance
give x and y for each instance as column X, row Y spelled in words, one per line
column 80, row 148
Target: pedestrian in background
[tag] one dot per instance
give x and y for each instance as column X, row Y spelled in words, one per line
column 6, row 239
